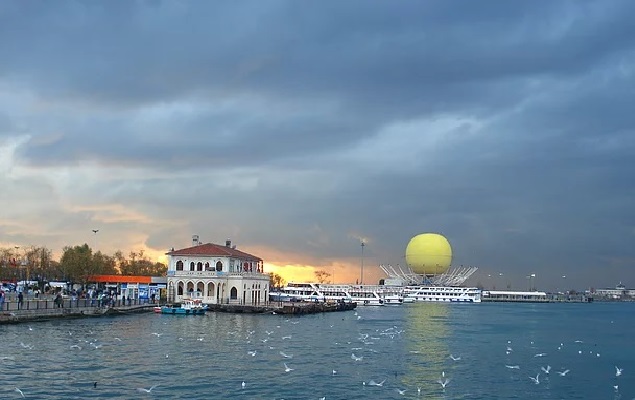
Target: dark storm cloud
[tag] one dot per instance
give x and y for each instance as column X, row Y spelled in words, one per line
column 377, row 63
column 290, row 89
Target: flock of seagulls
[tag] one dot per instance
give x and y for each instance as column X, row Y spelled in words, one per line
column 358, row 352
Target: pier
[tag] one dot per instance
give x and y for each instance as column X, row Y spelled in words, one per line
column 284, row 307
column 532, row 297
column 45, row 310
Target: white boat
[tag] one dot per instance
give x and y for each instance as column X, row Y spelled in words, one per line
column 453, row 294
column 362, row 295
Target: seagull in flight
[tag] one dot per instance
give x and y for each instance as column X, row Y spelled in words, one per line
column 618, row 371
column 252, row 353
column 513, row 366
column 402, row 392
column 157, row 334
column 19, row 391
column 536, row 379
column 147, row 390
column 563, row 373
column 546, row 370
column 286, row 368
column 373, row 383
column 540, row 355
column 285, row 355
column 334, row 372
column 444, row 382
column 454, row 358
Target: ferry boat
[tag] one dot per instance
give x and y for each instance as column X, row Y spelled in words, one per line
column 454, row 294
column 187, row 307
column 362, row 295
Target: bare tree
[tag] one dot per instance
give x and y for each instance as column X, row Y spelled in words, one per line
column 322, row 276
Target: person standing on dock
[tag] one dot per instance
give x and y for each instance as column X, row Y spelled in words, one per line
column 20, row 300
column 1, row 300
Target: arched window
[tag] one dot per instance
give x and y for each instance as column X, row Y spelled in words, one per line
column 210, row 289
column 199, row 266
column 207, row 266
column 179, row 291
column 233, row 294
column 219, row 266
column 192, row 266
column 179, row 265
column 190, row 287
column 200, row 287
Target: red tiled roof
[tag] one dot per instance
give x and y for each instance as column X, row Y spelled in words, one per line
column 211, row 249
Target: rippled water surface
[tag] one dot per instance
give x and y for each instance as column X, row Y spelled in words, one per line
column 407, row 347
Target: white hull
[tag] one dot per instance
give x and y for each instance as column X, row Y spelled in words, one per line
column 442, row 294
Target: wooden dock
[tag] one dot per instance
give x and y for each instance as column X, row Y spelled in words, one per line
column 284, row 308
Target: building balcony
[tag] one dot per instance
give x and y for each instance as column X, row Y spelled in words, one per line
column 216, row 274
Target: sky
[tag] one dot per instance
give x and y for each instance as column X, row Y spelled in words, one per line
column 300, row 129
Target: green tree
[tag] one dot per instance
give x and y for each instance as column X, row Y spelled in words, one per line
column 140, row 264
column 77, row 264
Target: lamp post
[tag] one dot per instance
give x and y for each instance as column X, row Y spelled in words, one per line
column 95, row 232
column 361, row 276
column 17, row 264
column 533, row 282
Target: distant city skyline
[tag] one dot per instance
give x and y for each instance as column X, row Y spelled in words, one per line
column 299, row 131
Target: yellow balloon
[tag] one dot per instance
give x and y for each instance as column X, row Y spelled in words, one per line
column 429, row 254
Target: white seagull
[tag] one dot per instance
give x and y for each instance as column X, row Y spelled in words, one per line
column 618, row 371
column 147, row 390
column 454, row 358
column 444, row 382
column 252, row 353
column 402, row 392
column 242, row 385
column 513, row 366
column 286, row 368
column 546, row 370
column 373, row 383
column 536, row 379
column 563, row 373
column 19, row 391
column 354, row 357
column 285, row 355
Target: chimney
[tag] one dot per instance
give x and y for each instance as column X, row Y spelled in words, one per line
column 228, row 243
column 195, row 241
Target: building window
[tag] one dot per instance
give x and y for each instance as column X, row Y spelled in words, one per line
column 199, row 266
column 180, row 289
column 210, row 289
column 192, row 266
column 207, row 266
column 233, row 294
column 179, row 265
column 219, row 266
column 200, row 287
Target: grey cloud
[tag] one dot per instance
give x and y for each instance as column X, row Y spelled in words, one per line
column 282, row 87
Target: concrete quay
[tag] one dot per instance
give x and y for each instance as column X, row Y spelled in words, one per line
column 45, row 312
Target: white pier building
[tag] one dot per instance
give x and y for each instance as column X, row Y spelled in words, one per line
column 216, row 274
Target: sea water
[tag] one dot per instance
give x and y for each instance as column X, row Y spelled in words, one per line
column 482, row 351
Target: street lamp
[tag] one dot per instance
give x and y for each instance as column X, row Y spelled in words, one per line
column 361, row 276
column 95, row 232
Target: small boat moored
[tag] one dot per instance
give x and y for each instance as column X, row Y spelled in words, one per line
column 187, row 307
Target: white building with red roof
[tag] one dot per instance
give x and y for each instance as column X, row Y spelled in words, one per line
column 216, row 274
